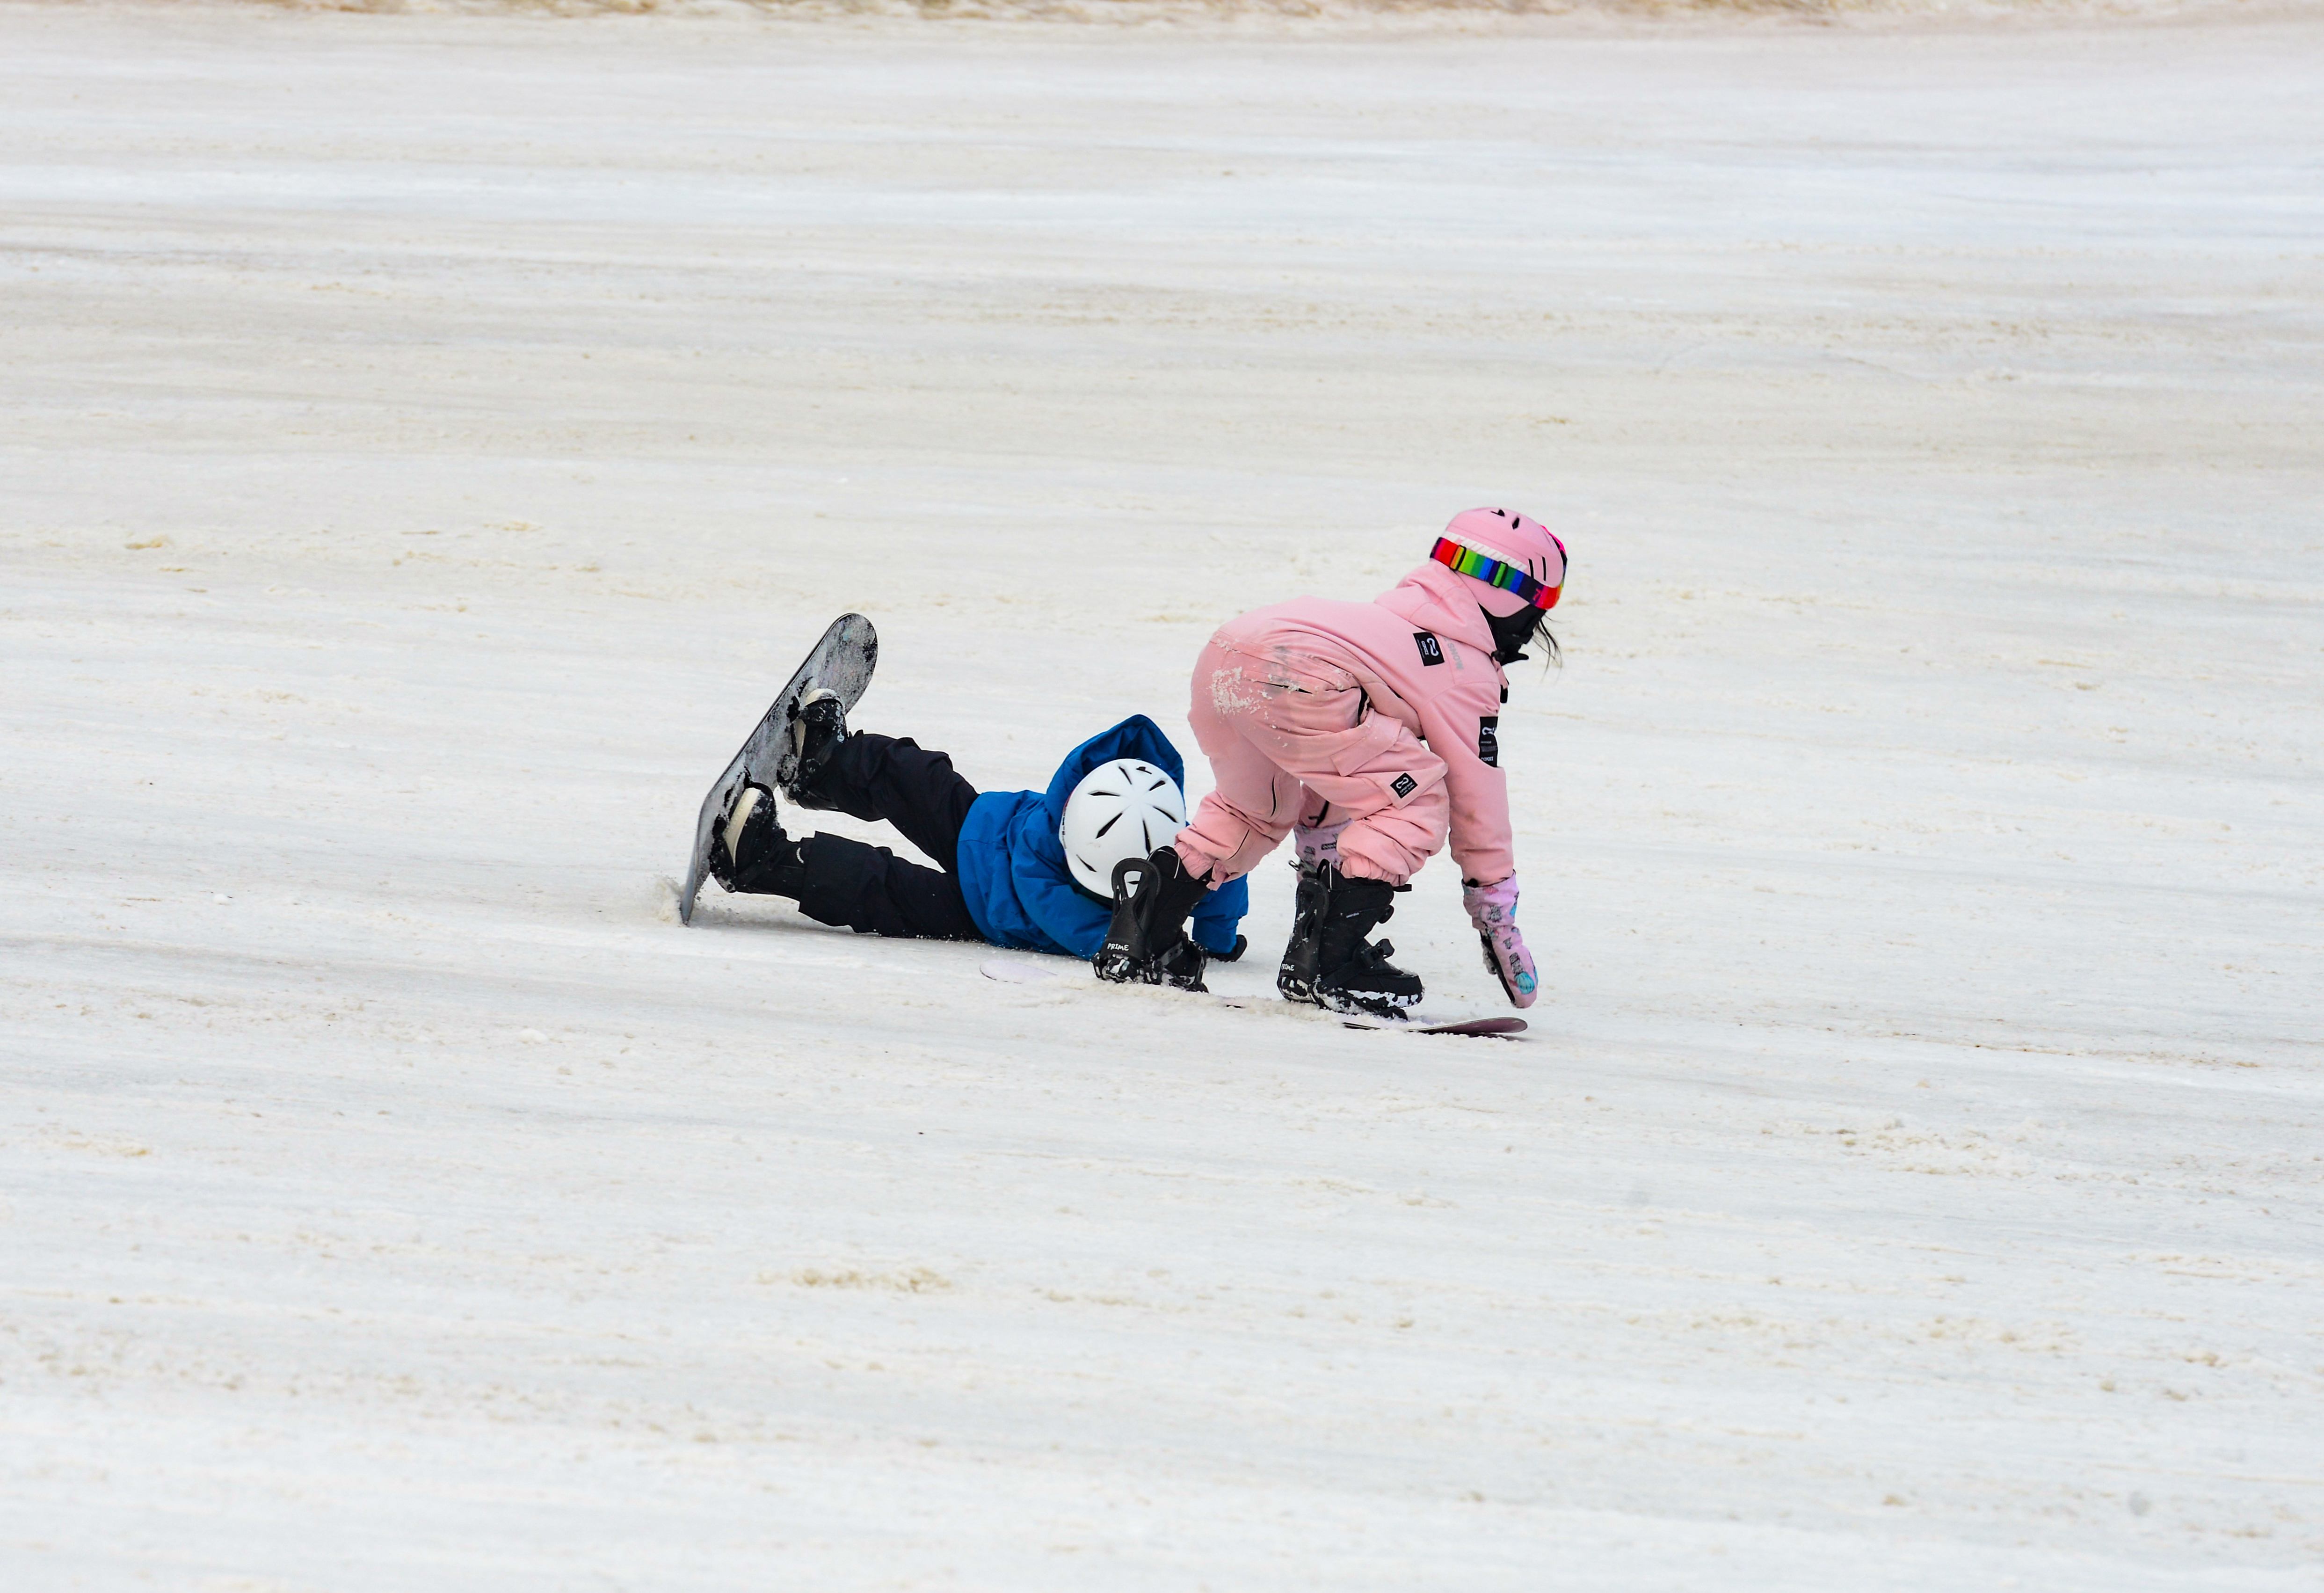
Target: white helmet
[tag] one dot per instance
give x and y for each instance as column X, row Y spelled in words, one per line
column 1122, row 809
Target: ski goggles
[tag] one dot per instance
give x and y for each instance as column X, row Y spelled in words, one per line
column 1493, row 572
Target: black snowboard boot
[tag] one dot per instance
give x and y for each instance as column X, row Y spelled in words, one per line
column 817, row 728
column 749, row 852
column 1352, row 974
column 1296, row 977
column 1146, row 942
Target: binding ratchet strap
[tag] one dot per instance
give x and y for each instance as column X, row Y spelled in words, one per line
column 1493, row 572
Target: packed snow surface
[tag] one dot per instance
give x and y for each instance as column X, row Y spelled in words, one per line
column 426, row 443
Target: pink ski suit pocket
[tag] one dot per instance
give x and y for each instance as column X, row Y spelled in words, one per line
column 1362, row 746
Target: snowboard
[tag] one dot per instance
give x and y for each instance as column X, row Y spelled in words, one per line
column 841, row 662
column 1056, row 970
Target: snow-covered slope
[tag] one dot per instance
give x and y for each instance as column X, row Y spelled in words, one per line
column 424, row 443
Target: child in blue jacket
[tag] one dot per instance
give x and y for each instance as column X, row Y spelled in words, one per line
column 1003, row 876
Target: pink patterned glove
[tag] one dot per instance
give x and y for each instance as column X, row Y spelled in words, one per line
column 1493, row 909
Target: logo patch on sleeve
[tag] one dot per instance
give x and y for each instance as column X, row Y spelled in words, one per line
column 1432, row 652
column 1488, row 740
column 1404, row 786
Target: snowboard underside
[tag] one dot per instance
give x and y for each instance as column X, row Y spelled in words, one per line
column 1058, row 970
column 842, row 662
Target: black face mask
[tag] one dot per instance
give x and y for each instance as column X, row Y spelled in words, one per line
column 1511, row 632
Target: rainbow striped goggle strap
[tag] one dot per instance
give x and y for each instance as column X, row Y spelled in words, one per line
column 1493, row 572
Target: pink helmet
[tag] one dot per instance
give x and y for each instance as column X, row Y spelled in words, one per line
column 1518, row 562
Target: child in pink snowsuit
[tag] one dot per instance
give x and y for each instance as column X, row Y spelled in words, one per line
column 1370, row 732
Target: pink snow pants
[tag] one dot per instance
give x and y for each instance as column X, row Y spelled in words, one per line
column 1292, row 740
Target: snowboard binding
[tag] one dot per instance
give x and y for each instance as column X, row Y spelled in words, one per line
column 817, row 730
column 1296, row 979
column 1329, row 962
column 1146, row 942
column 749, row 852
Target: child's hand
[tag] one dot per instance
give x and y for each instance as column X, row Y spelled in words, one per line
column 1493, row 909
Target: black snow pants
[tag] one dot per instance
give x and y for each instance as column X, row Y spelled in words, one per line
column 869, row 889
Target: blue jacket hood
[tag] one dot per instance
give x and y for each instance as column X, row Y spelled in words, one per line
column 1012, row 868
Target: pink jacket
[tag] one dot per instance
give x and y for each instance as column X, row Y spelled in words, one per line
column 1424, row 655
